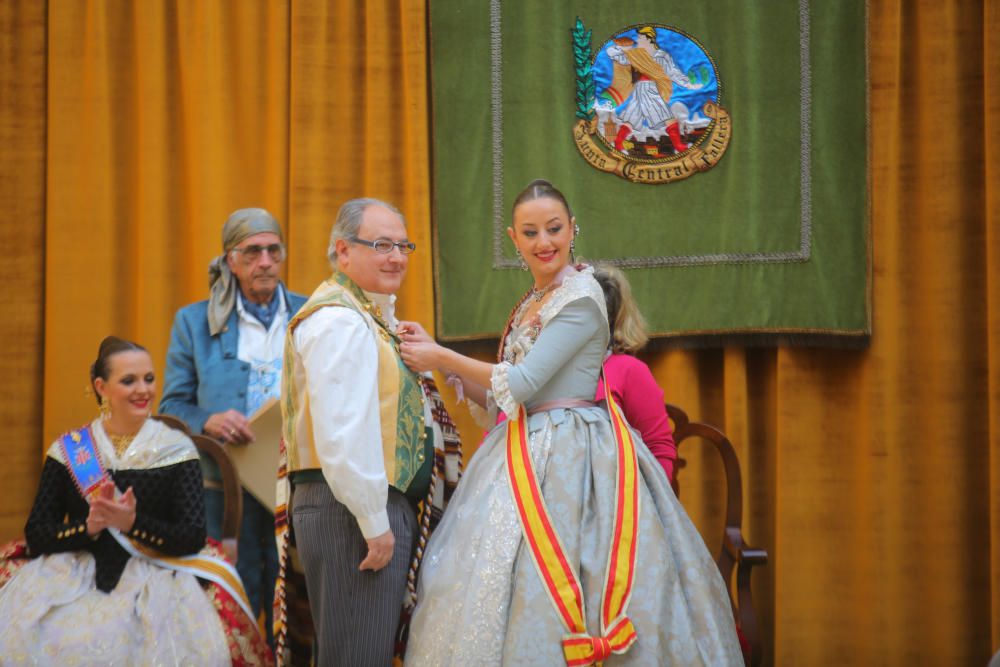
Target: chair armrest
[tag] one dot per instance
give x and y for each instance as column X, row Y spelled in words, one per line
column 175, row 423
column 231, row 489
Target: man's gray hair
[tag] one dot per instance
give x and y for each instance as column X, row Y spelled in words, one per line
column 348, row 222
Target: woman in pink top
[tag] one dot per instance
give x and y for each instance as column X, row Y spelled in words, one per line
column 632, row 383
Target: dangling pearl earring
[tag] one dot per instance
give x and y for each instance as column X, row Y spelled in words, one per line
column 520, row 258
column 572, row 243
column 105, row 408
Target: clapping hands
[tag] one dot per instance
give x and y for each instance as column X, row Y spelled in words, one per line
column 108, row 512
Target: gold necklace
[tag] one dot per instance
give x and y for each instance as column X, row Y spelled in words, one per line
column 121, row 443
column 539, row 294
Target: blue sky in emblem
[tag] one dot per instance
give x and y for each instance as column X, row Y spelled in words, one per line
column 687, row 55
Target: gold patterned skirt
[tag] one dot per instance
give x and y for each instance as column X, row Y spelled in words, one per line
column 53, row 614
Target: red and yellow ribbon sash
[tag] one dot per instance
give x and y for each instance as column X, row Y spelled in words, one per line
column 556, row 572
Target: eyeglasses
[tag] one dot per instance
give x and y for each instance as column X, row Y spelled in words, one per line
column 384, row 246
column 251, row 253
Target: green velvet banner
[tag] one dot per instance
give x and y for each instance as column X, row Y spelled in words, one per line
column 717, row 151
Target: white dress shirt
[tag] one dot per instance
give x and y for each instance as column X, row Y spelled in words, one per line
column 340, row 360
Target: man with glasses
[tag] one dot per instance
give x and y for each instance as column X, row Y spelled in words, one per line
column 223, row 363
column 359, row 436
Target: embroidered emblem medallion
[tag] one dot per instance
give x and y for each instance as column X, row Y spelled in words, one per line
column 82, row 457
column 647, row 104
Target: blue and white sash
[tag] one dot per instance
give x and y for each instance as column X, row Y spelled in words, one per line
column 83, row 461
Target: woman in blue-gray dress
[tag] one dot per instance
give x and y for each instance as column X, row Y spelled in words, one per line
column 564, row 543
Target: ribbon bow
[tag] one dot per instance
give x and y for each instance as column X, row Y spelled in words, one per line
column 582, row 649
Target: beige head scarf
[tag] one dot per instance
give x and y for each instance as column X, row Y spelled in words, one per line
column 223, row 285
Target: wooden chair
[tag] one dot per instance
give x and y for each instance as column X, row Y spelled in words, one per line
column 735, row 552
column 232, row 492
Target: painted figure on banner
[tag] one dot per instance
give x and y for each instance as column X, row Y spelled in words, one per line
column 648, row 104
column 648, row 72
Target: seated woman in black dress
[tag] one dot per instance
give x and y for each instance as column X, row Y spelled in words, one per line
column 116, row 532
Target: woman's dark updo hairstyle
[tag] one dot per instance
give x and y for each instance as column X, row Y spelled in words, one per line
column 538, row 189
column 110, row 346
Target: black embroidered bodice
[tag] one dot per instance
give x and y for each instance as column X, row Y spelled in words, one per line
column 170, row 516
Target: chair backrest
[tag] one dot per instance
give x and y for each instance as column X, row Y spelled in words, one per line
column 231, row 491
column 735, row 553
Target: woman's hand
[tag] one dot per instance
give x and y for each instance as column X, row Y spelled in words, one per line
column 106, row 512
column 96, row 518
column 123, row 514
column 413, row 332
column 421, row 356
column 95, row 523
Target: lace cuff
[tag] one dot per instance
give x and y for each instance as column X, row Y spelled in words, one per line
column 501, row 389
column 485, row 418
column 455, row 382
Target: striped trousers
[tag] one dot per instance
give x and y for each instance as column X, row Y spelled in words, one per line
column 355, row 613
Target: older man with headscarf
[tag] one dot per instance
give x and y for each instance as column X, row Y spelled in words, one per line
column 224, row 362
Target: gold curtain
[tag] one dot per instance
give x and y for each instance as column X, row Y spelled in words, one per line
column 130, row 131
column 163, row 117
column 22, row 234
column 991, row 222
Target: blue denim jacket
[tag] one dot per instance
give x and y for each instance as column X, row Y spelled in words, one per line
column 203, row 374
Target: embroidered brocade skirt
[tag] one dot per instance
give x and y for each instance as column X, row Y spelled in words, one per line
column 481, row 601
column 52, row 613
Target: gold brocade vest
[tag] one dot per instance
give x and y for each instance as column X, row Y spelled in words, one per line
column 401, row 398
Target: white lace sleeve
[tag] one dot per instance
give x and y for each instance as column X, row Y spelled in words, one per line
column 501, row 389
column 485, row 418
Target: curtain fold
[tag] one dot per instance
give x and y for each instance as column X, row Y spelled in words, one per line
column 872, row 478
column 22, row 236
column 164, row 117
column 359, row 128
column 991, row 172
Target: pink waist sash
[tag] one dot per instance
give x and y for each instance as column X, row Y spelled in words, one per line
column 561, row 403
